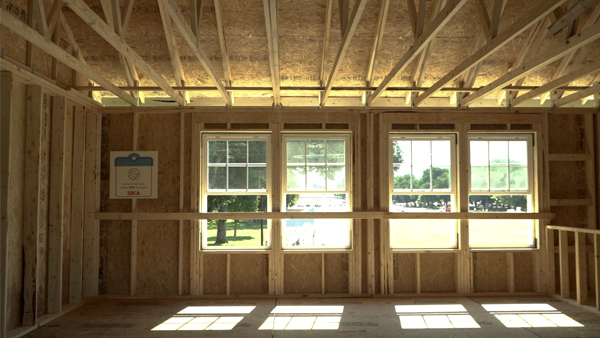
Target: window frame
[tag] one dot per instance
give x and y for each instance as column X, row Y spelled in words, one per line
column 305, row 136
column 204, row 192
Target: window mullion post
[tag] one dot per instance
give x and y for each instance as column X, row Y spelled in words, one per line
column 464, row 259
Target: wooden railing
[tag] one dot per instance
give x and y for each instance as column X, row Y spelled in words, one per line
column 581, row 264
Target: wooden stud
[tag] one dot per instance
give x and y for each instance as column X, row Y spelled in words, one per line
column 56, row 204
column 134, row 223
column 581, row 267
column 418, row 273
column 563, row 250
column 370, row 206
column 597, row 269
column 181, row 200
column 550, row 262
column 510, row 271
column 464, row 275
column 76, row 247
column 6, row 87
column 195, row 262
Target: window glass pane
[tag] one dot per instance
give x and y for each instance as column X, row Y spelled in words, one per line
column 316, row 233
column 501, row 233
column 237, row 178
column 296, row 176
column 315, row 177
column 421, row 153
column 422, row 178
column 479, row 178
column 237, row 152
column 499, row 203
column 296, row 151
column 402, row 152
column 336, row 151
column 236, row 233
column 402, row 178
column 257, row 152
column 518, row 152
column 217, row 151
column 440, row 178
column 499, row 178
column 421, row 203
column 257, row 178
column 336, row 178
column 498, row 152
column 518, row 178
column 440, row 151
column 315, row 151
column 479, row 153
column 423, row 233
column 217, row 178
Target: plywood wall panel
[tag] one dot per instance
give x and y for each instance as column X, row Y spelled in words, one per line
column 405, row 272
column 489, row 272
column 186, row 277
column 438, row 272
column 187, row 169
column 566, row 134
column 249, row 274
column 117, row 135
column 215, row 274
column 302, row 273
column 570, row 217
column 336, row 273
column 115, row 262
column 568, row 180
column 157, row 257
column 524, row 271
column 160, row 132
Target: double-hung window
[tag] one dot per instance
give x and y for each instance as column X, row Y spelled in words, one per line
column 501, row 180
column 423, row 181
column 235, row 178
column 316, row 178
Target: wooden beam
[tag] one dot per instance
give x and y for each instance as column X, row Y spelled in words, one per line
column 127, row 9
column 556, row 83
column 581, row 267
column 40, row 16
column 572, row 14
column 344, row 7
column 31, row 203
column 550, row 262
column 270, row 11
column 195, row 16
column 192, row 41
column 326, row 35
column 22, row 30
column 497, row 10
column 436, row 25
column 539, row 61
column 383, row 12
column 412, row 13
column 6, row 88
column 563, row 250
column 53, row 14
column 173, row 50
column 349, row 33
column 421, row 18
column 222, row 45
column 77, row 193
column 56, row 207
column 597, row 269
column 89, row 17
column 522, row 24
column 484, row 18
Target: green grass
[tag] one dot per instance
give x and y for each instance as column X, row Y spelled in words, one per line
column 246, row 236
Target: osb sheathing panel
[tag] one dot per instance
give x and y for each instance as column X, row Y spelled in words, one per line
column 186, row 259
column 566, row 134
column 115, row 236
column 249, row 274
column 15, row 205
column 157, row 257
column 14, row 46
column 438, row 272
column 489, row 271
column 524, row 271
column 115, row 253
column 336, row 273
column 302, row 273
column 570, row 217
column 214, row 277
column 405, row 277
column 568, row 180
column 160, row 132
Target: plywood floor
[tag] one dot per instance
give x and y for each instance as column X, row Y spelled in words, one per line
column 337, row 317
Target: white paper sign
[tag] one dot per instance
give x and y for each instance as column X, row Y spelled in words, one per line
column 133, row 174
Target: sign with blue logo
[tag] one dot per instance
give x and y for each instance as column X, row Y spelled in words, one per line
column 133, row 174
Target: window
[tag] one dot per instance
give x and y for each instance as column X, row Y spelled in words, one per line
column 501, row 180
column 422, row 175
column 235, row 178
column 316, row 178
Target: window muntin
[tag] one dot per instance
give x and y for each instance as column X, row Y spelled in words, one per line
column 316, row 178
column 235, row 174
column 422, row 180
column 501, row 180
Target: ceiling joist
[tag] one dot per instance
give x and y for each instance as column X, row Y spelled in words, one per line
column 271, row 22
column 522, row 24
column 327, row 34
